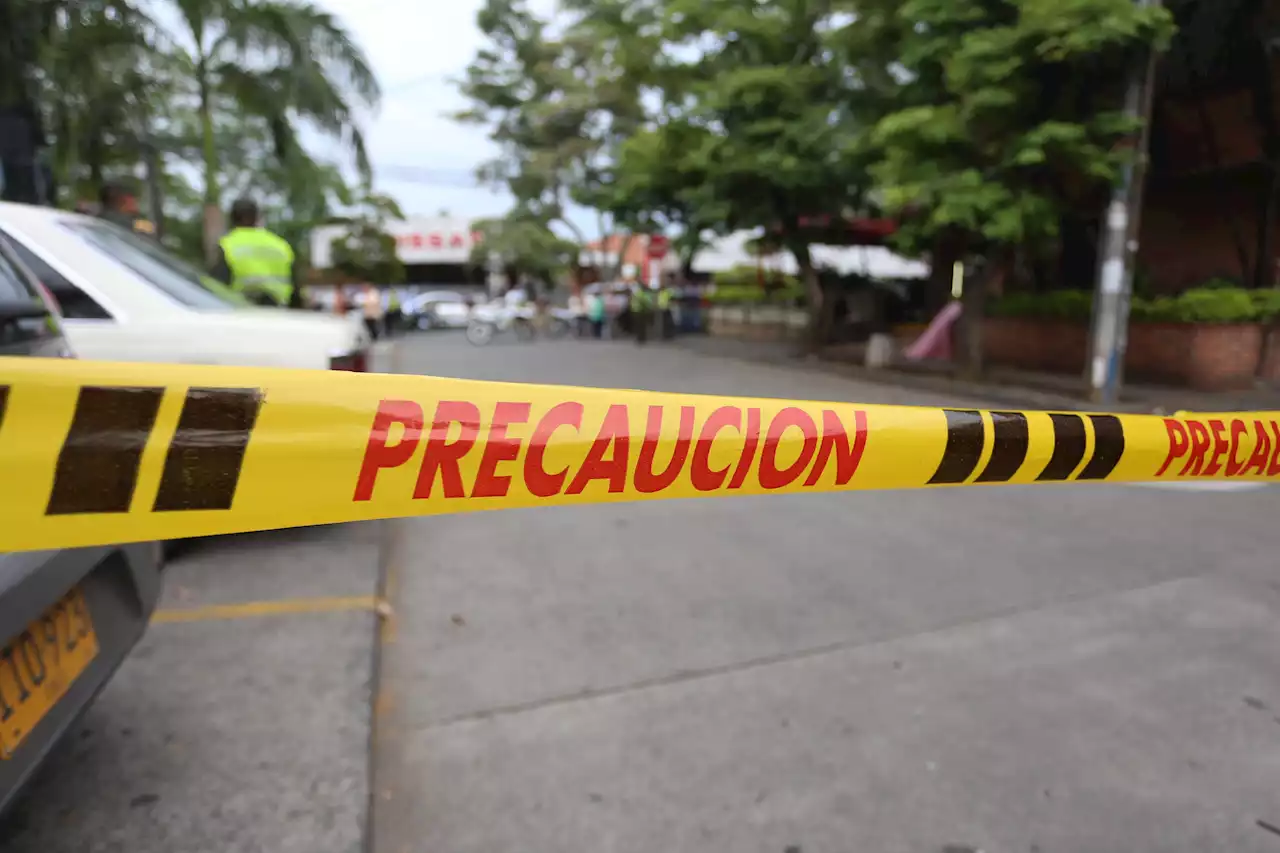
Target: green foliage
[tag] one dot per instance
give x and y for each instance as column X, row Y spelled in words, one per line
column 1209, row 303
column 792, row 294
column 1009, row 114
column 526, row 246
column 367, row 253
column 223, row 95
column 748, row 275
column 746, row 284
column 772, row 100
column 281, row 61
column 1074, row 305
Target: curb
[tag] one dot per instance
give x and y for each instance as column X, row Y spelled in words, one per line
column 1011, row 395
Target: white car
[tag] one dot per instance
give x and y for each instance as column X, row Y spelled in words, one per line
column 124, row 297
column 437, row 309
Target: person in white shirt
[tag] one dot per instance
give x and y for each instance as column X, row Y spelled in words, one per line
column 374, row 311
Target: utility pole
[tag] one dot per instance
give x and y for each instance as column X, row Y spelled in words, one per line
column 1119, row 244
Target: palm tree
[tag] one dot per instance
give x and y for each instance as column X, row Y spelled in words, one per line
column 99, row 112
column 283, row 61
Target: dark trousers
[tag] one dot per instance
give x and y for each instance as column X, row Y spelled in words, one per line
column 642, row 321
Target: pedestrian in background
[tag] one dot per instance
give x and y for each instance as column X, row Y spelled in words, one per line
column 665, row 320
column 255, row 262
column 394, row 314
column 119, row 204
column 641, row 312
column 374, row 313
column 596, row 313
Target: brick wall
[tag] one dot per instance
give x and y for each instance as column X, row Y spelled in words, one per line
column 1187, row 231
column 1201, row 191
column 1044, row 345
column 1206, row 357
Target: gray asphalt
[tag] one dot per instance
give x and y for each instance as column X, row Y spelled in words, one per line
column 1015, row 669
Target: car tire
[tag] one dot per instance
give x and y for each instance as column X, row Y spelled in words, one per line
column 479, row 332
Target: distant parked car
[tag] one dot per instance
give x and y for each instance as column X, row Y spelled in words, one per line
column 68, row 618
column 437, row 309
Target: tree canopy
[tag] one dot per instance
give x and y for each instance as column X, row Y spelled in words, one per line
column 982, row 122
column 220, row 95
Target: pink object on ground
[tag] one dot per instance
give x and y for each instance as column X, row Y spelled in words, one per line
column 936, row 340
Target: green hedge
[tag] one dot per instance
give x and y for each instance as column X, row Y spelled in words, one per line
column 1212, row 303
column 748, row 276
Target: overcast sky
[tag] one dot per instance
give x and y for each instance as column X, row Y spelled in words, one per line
column 415, row 47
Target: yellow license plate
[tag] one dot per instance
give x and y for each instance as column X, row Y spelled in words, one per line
column 38, row 665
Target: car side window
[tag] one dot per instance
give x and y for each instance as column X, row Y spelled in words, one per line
column 74, row 302
column 13, row 285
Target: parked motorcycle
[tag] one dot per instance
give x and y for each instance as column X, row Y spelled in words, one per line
column 489, row 321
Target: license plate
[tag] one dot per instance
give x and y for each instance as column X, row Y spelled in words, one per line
column 38, row 665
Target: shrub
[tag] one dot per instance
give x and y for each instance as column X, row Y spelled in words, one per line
column 1217, row 302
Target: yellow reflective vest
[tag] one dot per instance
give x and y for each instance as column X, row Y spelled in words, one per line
column 261, row 264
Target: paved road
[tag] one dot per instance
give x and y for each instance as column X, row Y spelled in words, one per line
column 1018, row 669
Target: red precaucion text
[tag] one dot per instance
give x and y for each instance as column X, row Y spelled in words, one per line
column 615, row 456
column 1222, row 447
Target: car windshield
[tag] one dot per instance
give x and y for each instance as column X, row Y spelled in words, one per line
column 178, row 279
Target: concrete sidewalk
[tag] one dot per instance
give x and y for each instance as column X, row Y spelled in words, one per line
column 1008, row 387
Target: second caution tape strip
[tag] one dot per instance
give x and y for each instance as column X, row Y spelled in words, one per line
column 96, row 453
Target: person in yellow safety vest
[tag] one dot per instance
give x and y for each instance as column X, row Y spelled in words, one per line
column 641, row 312
column 667, row 325
column 393, row 311
column 256, row 263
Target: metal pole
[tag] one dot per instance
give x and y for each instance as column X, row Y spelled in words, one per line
column 1120, row 245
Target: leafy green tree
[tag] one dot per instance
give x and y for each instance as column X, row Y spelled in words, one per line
column 284, row 61
column 655, row 183
column 367, row 253
column 526, row 246
column 559, row 107
column 1008, row 116
column 768, row 89
column 95, row 113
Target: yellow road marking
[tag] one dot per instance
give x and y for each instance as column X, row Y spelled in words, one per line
column 251, row 609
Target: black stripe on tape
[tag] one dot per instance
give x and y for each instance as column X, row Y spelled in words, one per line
column 4, row 402
column 1108, row 447
column 965, row 435
column 202, row 468
column 1009, row 448
column 1068, row 447
column 98, row 466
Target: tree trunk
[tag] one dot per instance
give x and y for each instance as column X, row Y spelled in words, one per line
column 815, row 336
column 212, row 202
column 945, row 254
column 974, row 300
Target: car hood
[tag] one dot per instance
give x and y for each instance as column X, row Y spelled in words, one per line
column 340, row 334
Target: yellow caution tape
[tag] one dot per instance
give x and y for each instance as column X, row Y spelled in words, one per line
column 97, row 453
